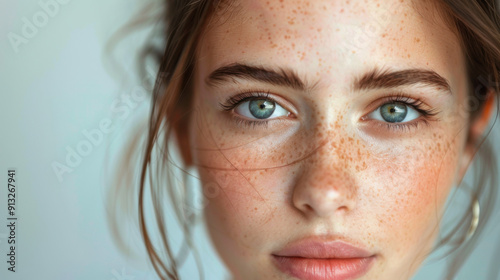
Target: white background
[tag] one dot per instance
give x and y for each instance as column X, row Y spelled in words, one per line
column 57, row 85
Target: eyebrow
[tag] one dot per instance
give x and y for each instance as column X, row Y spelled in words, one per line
column 374, row 79
column 281, row 77
column 378, row 78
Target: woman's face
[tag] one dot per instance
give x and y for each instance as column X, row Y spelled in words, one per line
column 327, row 135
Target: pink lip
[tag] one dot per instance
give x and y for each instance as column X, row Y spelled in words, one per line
column 315, row 259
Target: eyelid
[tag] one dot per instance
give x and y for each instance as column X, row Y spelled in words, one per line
column 377, row 113
column 403, row 129
column 243, row 109
column 236, row 99
column 416, row 103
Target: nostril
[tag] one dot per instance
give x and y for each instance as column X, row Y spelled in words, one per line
column 343, row 209
column 309, row 208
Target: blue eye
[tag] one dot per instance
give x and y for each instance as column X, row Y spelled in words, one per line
column 260, row 109
column 395, row 112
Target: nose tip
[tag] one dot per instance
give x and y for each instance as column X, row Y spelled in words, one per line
column 322, row 201
column 326, row 186
column 325, row 197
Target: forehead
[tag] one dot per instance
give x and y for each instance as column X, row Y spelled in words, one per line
column 328, row 40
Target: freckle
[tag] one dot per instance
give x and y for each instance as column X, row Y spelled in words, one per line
column 341, row 10
column 384, row 35
column 353, row 51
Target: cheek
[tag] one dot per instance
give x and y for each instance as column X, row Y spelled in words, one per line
column 242, row 175
column 245, row 182
column 410, row 189
column 241, row 214
column 244, row 194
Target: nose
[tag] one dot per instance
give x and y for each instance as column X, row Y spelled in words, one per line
column 326, row 186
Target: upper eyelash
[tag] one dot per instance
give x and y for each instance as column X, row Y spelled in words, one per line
column 236, row 100
column 233, row 101
column 417, row 104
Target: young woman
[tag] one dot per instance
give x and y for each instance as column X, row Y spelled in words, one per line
column 326, row 135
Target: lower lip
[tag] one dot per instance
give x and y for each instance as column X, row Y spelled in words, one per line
column 323, row 269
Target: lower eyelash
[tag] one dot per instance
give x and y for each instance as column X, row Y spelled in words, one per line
column 249, row 123
column 428, row 114
column 406, row 127
column 234, row 101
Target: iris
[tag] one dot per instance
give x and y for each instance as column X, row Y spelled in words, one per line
column 262, row 108
column 394, row 112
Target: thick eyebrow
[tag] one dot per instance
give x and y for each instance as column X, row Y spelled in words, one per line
column 374, row 79
column 378, row 78
column 281, row 77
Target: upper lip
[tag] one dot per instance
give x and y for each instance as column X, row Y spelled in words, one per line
column 320, row 248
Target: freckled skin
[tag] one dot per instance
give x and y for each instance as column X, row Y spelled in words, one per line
column 324, row 172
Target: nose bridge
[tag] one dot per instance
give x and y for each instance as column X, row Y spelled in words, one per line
column 330, row 165
column 327, row 184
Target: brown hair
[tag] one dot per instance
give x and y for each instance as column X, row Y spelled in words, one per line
column 477, row 23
